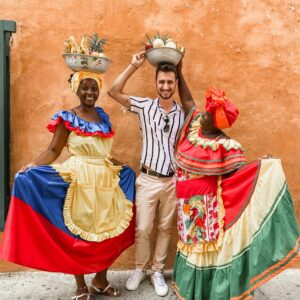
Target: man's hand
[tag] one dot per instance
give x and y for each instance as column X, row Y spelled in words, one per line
column 138, row 59
column 116, row 90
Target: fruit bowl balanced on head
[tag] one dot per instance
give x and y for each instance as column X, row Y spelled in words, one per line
column 163, row 49
column 89, row 56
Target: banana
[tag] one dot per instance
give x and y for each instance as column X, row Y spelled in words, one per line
column 73, row 44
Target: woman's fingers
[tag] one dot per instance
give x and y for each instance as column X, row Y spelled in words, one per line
column 28, row 166
column 266, row 156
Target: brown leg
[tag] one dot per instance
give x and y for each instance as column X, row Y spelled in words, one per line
column 100, row 282
column 81, row 287
column 101, row 279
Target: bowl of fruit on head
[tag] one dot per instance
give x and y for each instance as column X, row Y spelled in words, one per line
column 88, row 56
column 163, row 49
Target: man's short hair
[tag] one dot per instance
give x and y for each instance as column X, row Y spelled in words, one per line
column 164, row 67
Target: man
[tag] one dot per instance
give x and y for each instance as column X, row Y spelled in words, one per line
column 160, row 122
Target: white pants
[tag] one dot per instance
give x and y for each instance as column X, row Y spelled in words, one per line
column 154, row 193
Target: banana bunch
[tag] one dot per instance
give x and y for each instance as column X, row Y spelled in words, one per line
column 89, row 45
column 70, row 45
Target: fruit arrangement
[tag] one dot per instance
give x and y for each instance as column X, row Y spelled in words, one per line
column 162, row 40
column 88, row 55
column 89, row 45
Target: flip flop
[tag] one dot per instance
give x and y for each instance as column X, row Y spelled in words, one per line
column 78, row 297
column 84, row 295
column 95, row 290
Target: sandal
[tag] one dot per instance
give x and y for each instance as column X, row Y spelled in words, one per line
column 85, row 295
column 94, row 290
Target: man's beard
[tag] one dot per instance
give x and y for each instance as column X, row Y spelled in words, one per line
column 171, row 93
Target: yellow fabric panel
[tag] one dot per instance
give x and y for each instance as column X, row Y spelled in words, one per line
column 95, row 206
column 92, row 146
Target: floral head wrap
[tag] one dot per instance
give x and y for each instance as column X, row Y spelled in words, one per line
column 224, row 112
column 79, row 76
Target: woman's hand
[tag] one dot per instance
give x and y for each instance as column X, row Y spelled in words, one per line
column 138, row 59
column 28, row 166
column 117, row 162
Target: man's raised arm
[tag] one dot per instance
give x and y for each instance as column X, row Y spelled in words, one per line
column 116, row 90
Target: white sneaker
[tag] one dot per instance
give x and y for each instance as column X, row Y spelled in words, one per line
column 161, row 288
column 135, row 279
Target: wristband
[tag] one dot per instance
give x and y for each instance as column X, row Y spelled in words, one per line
column 134, row 66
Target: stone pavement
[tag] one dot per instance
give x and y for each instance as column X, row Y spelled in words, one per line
column 44, row 285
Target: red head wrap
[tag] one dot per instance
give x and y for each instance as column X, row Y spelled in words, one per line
column 224, row 112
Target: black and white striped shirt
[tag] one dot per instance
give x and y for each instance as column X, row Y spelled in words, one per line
column 158, row 146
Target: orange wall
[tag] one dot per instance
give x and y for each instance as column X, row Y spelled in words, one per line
column 249, row 48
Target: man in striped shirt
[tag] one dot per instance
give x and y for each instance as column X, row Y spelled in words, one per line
column 160, row 122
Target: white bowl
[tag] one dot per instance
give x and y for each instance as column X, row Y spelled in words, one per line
column 161, row 55
column 82, row 62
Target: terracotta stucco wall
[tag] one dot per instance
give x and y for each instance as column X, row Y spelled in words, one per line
column 249, row 48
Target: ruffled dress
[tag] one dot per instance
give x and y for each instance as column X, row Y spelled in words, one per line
column 237, row 230
column 75, row 217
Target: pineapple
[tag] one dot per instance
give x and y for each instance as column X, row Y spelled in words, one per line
column 96, row 44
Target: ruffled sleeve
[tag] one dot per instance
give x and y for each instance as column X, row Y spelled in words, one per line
column 194, row 112
column 206, row 156
column 81, row 127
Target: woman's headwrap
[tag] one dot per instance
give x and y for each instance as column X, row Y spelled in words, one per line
column 224, row 112
column 79, row 76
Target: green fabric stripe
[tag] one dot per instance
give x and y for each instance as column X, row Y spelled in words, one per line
column 271, row 244
column 279, row 266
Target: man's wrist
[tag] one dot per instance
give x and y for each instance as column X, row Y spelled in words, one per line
column 135, row 67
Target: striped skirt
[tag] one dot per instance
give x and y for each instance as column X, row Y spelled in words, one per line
column 235, row 233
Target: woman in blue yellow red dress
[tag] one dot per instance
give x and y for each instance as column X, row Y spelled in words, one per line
column 75, row 217
column 236, row 222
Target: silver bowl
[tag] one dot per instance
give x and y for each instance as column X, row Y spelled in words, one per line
column 161, row 55
column 82, row 62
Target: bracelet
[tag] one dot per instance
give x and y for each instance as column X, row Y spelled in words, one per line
column 134, row 66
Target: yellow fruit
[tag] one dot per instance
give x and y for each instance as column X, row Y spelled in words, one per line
column 82, row 51
column 67, row 46
column 74, row 50
column 181, row 49
column 73, row 44
column 84, row 44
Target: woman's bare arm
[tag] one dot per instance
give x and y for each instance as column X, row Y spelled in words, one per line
column 185, row 95
column 55, row 148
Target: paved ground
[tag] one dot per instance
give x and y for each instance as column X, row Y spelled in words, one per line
column 43, row 285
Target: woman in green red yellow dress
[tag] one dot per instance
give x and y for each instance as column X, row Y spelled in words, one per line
column 236, row 222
